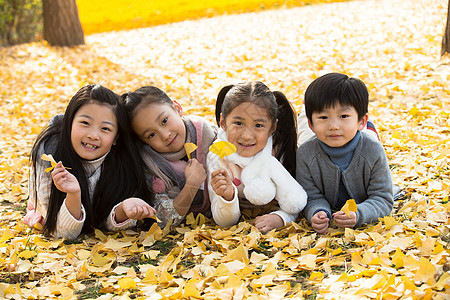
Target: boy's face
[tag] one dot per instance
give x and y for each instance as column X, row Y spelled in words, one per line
column 336, row 126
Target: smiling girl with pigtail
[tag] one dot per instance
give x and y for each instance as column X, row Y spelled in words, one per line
column 260, row 174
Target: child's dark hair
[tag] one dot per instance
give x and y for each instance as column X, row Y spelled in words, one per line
column 332, row 88
column 278, row 108
column 144, row 96
column 122, row 175
column 133, row 101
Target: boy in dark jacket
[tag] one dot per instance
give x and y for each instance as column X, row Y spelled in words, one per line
column 340, row 162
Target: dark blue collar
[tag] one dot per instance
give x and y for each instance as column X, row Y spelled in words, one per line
column 341, row 156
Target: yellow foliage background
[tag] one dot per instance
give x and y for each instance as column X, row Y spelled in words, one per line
column 101, row 16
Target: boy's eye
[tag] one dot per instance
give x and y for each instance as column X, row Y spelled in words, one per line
column 164, row 121
column 238, row 123
column 259, row 125
column 344, row 116
column 323, row 117
column 151, row 135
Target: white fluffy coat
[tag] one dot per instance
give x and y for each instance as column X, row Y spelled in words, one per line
column 265, row 179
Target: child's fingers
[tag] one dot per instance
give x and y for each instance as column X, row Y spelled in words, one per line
column 58, row 168
column 320, row 228
column 146, row 212
column 218, row 180
column 132, row 212
column 150, row 212
column 340, row 215
column 345, row 221
column 59, row 174
column 221, row 182
column 322, row 215
column 226, row 175
column 320, row 225
column 345, row 224
column 320, row 219
column 139, row 212
column 222, row 189
column 193, row 161
column 217, row 172
column 261, row 227
column 194, row 166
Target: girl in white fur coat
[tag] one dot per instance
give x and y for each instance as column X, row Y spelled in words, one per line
column 261, row 125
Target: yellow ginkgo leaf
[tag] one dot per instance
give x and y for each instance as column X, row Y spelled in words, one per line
column 38, row 226
column 155, row 217
column 222, row 149
column 27, row 254
column 190, row 147
column 49, row 158
column 316, row 276
column 127, row 283
column 349, row 206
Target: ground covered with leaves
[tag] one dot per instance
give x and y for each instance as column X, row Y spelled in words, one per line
column 392, row 45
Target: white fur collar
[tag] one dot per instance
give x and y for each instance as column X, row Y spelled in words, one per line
column 264, row 179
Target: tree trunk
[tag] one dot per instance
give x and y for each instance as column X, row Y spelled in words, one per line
column 446, row 38
column 62, row 25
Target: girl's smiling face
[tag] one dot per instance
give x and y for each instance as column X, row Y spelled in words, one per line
column 248, row 127
column 160, row 126
column 94, row 130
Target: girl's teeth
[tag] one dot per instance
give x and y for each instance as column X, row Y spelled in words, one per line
column 90, row 146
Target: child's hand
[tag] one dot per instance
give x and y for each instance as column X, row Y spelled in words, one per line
column 320, row 222
column 64, row 180
column 194, row 173
column 266, row 223
column 343, row 221
column 222, row 185
column 137, row 209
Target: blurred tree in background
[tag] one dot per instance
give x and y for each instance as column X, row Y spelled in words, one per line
column 62, row 25
column 20, row 21
column 446, row 38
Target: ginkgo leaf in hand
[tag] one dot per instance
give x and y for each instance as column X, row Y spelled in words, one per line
column 52, row 161
column 349, row 206
column 222, row 149
column 156, row 218
column 190, row 147
column 49, row 158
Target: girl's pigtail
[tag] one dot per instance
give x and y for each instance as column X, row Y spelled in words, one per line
column 285, row 136
column 219, row 101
